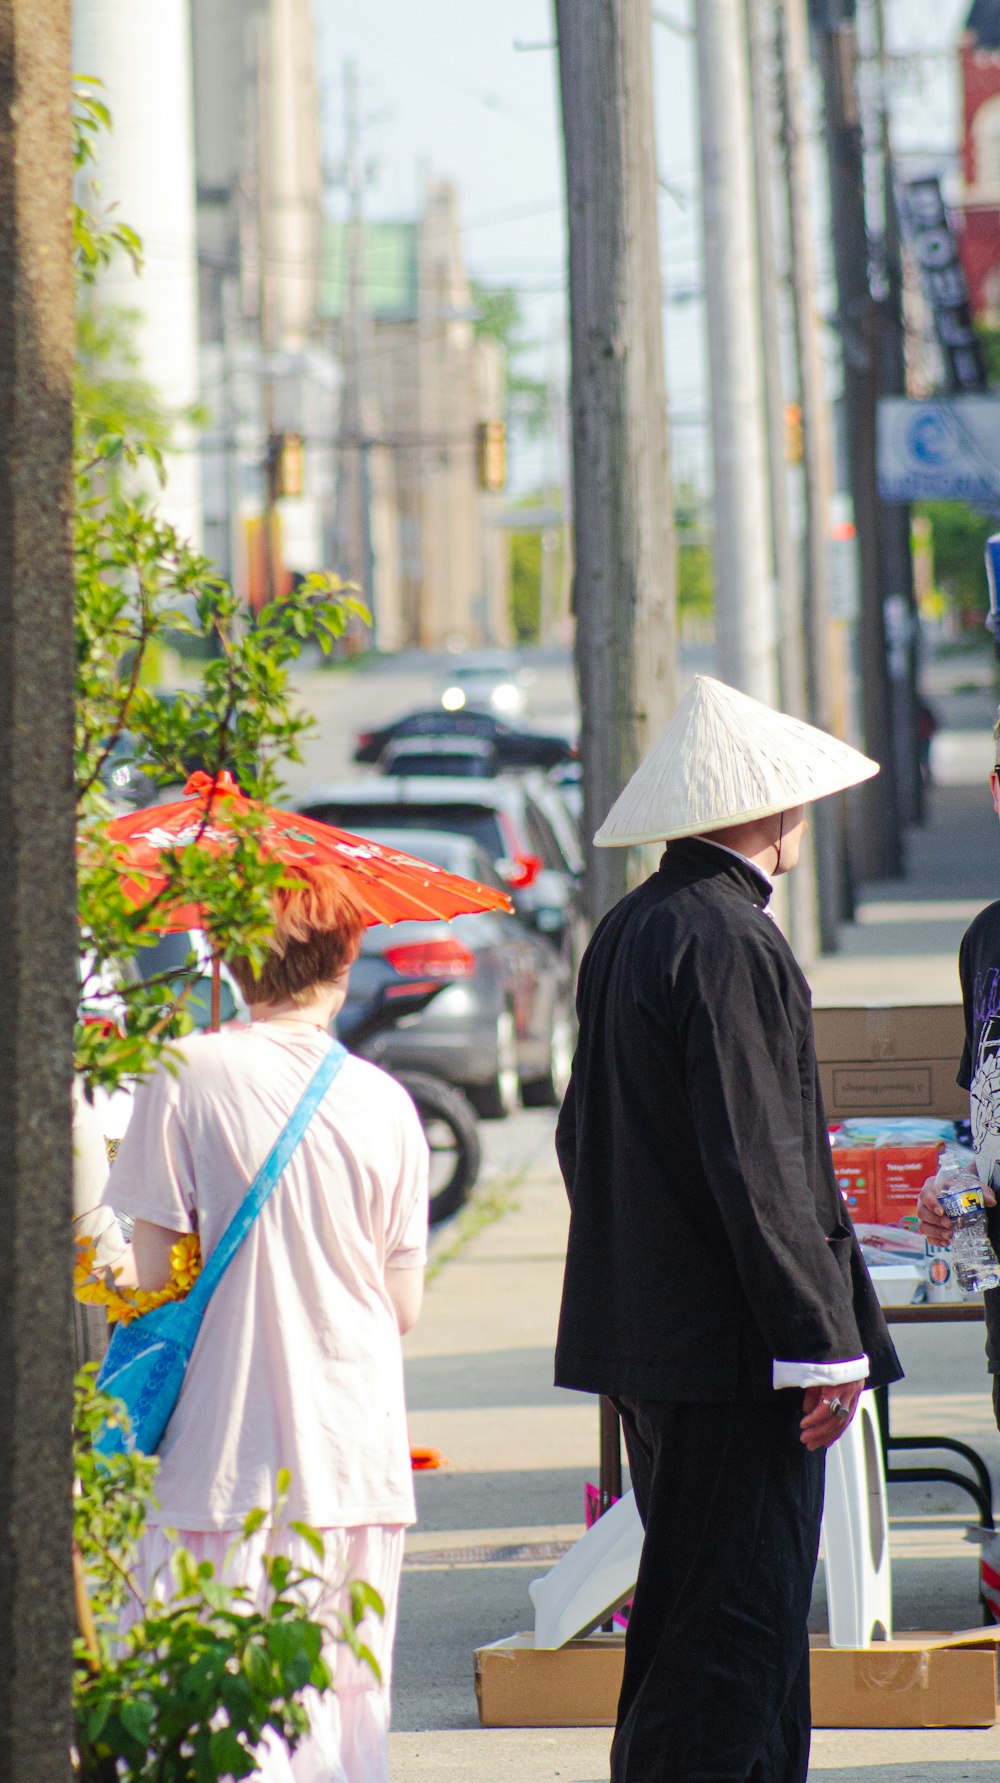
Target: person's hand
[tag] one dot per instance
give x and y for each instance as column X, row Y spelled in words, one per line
column 821, row 1424
column 935, row 1225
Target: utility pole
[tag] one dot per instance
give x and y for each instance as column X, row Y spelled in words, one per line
column 817, row 452
column 803, row 923
column 625, row 578
column 744, row 588
column 897, row 557
column 355, row 501
column 38, row 927
column 263, row 205
column 625, row 551
column 880, row 852
column 787, row 576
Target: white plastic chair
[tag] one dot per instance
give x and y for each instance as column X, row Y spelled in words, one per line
column 599, row 1571
column 856, row 1535
column 592, row 1579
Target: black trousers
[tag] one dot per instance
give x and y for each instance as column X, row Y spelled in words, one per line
column 716, row 1684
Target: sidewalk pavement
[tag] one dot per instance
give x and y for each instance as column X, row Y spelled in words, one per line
column 479, row 1370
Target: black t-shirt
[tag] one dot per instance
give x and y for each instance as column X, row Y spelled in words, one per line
column 979, row 1073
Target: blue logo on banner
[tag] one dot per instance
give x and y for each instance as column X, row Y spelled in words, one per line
column 930, row 437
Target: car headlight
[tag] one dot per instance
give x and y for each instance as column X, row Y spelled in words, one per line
column 453, row 699
column 506, row 697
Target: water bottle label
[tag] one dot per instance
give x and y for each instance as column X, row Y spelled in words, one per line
column 955, row 1203
column 941, row 1282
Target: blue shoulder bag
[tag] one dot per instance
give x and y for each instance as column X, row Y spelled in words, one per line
column 146, row 1360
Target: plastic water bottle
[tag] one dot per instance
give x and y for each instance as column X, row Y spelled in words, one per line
column 960, row 1193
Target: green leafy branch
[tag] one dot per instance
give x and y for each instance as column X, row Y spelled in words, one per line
column 206, row 1667
column 141, row 587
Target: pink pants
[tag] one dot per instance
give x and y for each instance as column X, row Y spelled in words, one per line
column 349, row 1725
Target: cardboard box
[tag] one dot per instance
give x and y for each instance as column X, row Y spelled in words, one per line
column 922, row 1680
column 900, row 1174
column 577, row 1685
column 891, row 1061
column 854, row 1168
column 918, row 1680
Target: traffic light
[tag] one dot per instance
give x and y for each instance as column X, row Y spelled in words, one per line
column 793, row 433
column 491, row 455
column 284, row 458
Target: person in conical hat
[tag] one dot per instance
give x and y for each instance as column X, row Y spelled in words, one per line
column 725, row 759
column 713, row 1286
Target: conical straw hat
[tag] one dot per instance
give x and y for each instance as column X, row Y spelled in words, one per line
column 725, row 758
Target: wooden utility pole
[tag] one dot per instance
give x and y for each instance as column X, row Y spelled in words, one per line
column 880, row 853
column 787, row 570
column 354, row 488
column 37, row 892
column 817, row 448
column 625, row 579
column 624, row 585
column 801, row 887
column 894, row 517
column 745, row 617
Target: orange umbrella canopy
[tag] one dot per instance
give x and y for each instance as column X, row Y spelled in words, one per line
column 389, row 886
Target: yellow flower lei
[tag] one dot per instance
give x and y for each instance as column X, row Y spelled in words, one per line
column 94, row 1286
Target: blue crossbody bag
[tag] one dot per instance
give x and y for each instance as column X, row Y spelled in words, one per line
column 146, row 1360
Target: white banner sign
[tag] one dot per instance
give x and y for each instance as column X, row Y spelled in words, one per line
column 945, row 450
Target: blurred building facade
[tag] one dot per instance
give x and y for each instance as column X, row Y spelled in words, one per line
column 353, row 341
column 267, row 370
column 429, row 386
column 980, row 240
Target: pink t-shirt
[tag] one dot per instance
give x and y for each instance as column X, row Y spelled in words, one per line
column 298, row 1362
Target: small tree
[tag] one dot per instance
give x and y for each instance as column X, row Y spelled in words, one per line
column 958, row 538
column 205, row 1668
column 187, row 1693
column 139, row 584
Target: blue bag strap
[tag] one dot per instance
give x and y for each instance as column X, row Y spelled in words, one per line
column 265, row 1182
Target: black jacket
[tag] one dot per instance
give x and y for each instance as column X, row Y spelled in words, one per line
column 707, row 1234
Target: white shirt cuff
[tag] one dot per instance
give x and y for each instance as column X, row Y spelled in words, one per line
column 819, row 1374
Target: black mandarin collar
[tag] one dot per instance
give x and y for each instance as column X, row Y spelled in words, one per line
column 690, row 859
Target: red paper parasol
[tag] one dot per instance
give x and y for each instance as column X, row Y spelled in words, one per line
column 389, row 886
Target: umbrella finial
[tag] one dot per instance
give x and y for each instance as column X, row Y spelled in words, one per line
column 200, row 784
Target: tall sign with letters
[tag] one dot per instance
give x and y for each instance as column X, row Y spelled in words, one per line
column 933, row 243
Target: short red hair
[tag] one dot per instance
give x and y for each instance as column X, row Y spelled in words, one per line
column 318, row 923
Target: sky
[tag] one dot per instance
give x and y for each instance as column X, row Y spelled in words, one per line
column 447, row 92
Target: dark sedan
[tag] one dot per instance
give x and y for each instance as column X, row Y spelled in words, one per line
column 514, row 748
column 504, row 1023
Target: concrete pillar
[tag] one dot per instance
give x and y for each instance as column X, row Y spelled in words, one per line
column 37, row 896
column 141, row 51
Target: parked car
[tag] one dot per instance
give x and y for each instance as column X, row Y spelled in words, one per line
column 503, row 1026
column 519, row 821
column 515, row 748
column 486, row 678
column 124, row 777
column 569, row 780
column 130, row 776
column 447, row 1117
column 170, row 953
column 466, row 757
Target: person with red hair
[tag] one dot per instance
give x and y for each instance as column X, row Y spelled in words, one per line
column 298, row 1363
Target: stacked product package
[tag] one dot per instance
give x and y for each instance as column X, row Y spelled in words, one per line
column 881, row 1164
